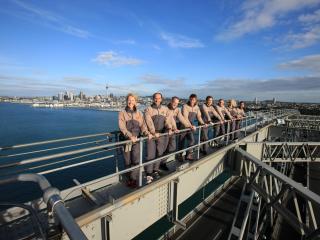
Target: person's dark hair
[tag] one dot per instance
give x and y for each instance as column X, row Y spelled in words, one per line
column 175, row 97
column 241, row 102
column 220, row 100
column 193, row 96
column 208, row 97
column 153, row 96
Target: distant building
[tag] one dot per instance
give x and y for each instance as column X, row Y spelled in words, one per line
column 274, row 100
column 256, row 100
column 97, row 98
column 82, row 96
column 69, row 96
column 61, row 96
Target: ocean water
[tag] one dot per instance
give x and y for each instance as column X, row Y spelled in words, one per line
column 21, row 124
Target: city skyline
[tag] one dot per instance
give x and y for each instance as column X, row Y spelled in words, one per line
column 229, row 49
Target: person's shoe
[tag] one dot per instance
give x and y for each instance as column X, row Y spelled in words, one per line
column 180, row 158
column 164, row 167
column 132, row 183
column 189, row 157
column 149, row 179
column 204, row 152
column 155, row 175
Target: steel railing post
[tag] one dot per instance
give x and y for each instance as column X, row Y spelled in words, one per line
column 245, row 127
column 140, row 162
column 199, row 142
column 228, row 131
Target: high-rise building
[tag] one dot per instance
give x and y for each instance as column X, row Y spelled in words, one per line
column 69, row 96
column 274, row 100
column 82, row 96
column 60, row 96
column 256, row 100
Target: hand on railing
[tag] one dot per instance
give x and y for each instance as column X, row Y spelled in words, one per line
column 133, row 139
column 193, row 128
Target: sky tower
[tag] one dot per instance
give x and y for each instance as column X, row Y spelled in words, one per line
column 107, row 87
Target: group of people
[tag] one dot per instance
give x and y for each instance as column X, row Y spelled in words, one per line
column 162, row 125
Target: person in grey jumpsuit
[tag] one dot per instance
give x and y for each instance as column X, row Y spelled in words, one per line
column 132, row 126
column 177, row 122
column 158, row 122
column 191, row 112
column 209, row 116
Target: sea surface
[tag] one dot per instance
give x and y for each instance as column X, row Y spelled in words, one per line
column 20, row 124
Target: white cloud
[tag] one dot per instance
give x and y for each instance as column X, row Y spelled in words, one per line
column 78, row 80
column 37, row 86
column 309, row 63
column 181, row 41
column 49, row 19
column 310, row 18
column 260, row 15
column 288, row 89
column 305, row 38
column 111, row 58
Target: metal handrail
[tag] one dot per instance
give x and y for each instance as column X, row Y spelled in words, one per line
column 4, row 148
column 63, row 154
column 51, row 197
column 141, row 139
column 51, row 149
column 52, row 141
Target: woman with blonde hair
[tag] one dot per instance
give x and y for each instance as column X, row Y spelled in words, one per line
column 132, row 126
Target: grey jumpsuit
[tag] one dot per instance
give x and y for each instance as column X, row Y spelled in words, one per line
column 190, row 114
column 224, row 114
column 209, row 115
column 131, row 123
column 177, row 120
column 157, row 120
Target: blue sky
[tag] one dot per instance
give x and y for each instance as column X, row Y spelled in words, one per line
column 229, row 49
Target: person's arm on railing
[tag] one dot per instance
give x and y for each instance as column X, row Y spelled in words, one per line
column 185, row 113
column 183, row 120
column 205, row 112
column 228, row 114
column 122, row 125
column 199, row 117
column 219, row 111
column 168, row 120
column 216, row 115
column 143, row 126
column 149, row 121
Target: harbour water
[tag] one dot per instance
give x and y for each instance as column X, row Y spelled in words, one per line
column 21, row 123
column 24, row 124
